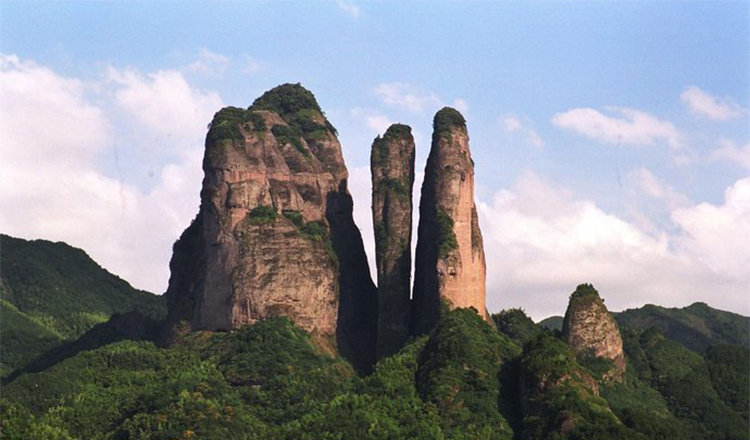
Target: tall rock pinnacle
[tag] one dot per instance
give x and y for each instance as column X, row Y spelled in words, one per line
column 275, row 235
column 392, row 167
column 590, row 329
column 450, row 262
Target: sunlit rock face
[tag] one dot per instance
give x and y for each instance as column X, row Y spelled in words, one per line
column 450, row 261
column 392, row 168
column 275, row 235
column 590, row 330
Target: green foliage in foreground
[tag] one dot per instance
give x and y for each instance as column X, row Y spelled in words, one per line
column 561, row 400
column 462, row 381
column 459, row 372
column 683, row 378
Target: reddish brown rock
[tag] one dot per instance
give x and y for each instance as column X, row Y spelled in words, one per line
column 450, row 262
column 590, row 330
column 392, row 167
column 275, row 234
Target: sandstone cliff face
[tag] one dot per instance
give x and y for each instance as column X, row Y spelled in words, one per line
column 392, row 167
column 275, row 234
column 590, row 329
column 450, row 262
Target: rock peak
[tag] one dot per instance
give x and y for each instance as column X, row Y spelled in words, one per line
column 392, row 167
column 275, row 235
column 590, row 329
column 451, row 268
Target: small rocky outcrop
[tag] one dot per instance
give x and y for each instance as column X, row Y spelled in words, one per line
column 590, row 330
column 450, row 262
column 275, row 235
column 392, row 168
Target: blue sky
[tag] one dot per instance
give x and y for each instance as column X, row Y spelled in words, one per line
column 611, row 138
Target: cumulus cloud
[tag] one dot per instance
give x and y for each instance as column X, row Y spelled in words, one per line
column 209, row 63
column 719, row 235
column 541, row 241
column 624, row 126
column 704, row 104
column 728, row 150
column 512, row 124
column 56, row 131
column 164, row 102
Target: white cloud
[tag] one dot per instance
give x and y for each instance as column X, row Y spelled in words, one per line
column 658, row 189
column 51, row 183
column 541, row 241
column 376, row 121
column 720, row 235
column 728, row 150
column 349, row 7
column 407, row 97
column 411, row 98
column 62, row 125
column 704, row 104
column 209, row 63
column 629, row 126
column 512, row 124
column 164, row 102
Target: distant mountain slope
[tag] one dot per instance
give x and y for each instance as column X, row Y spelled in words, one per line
column 697, row 326
column 552, row 323
column 52, row 292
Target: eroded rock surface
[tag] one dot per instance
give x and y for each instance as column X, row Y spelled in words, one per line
column 274, row 235
column 590, row 330
column 392, row 168
column 450, row 261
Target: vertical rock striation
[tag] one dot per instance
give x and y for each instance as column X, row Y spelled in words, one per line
column 274, row 234
column 450, row 262
column 590, row 330
column 392, row 167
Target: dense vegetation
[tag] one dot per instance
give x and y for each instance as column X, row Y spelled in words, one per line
column 52, row 292
column 295, row 104
column 463, row 381
column 516, row 325
column 271, row 380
